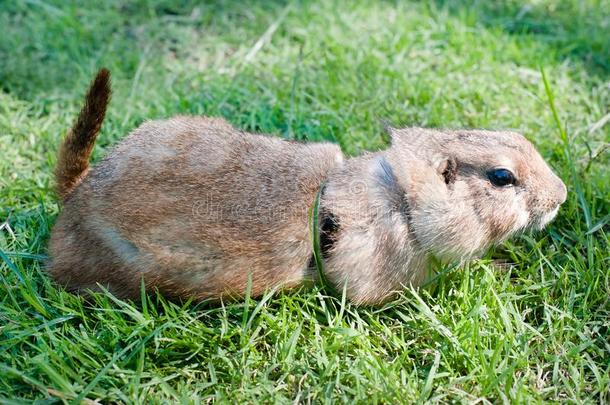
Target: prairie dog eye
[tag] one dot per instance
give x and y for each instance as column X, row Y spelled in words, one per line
column 501, row 177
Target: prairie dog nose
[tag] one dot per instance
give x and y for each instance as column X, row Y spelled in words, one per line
column 562, row 192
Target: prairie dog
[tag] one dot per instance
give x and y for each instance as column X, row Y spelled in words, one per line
column 196, row 208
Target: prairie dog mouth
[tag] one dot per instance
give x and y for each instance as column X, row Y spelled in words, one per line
column 546, row 218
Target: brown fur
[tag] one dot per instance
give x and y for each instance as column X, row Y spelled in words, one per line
column 196, row 208
column 73, row 159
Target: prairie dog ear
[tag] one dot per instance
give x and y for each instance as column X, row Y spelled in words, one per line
column 447, row 169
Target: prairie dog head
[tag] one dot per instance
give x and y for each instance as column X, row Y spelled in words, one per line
column 470, row 189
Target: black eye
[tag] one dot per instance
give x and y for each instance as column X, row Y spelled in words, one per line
column 501, row 177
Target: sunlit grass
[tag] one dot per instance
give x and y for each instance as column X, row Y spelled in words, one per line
column 530, row 322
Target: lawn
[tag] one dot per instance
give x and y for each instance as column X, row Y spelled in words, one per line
column 528, row 323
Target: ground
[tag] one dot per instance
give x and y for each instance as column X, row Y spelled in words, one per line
column 529, row 322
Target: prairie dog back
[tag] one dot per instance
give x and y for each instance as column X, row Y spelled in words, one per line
column 194, row 207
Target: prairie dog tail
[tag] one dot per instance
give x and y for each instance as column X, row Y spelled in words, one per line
column 73, row 159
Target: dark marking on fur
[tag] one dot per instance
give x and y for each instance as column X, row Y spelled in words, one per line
column 329, row 227
column 392, row 190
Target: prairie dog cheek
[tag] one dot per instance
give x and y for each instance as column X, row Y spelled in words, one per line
column 522, row 213
column 462, row 191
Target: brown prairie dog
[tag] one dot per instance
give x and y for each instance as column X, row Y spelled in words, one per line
column 195, row 207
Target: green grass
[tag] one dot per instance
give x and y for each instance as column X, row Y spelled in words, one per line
column 533, row 330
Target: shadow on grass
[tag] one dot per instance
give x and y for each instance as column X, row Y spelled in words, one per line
column 578, row 30
column 44, row 48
